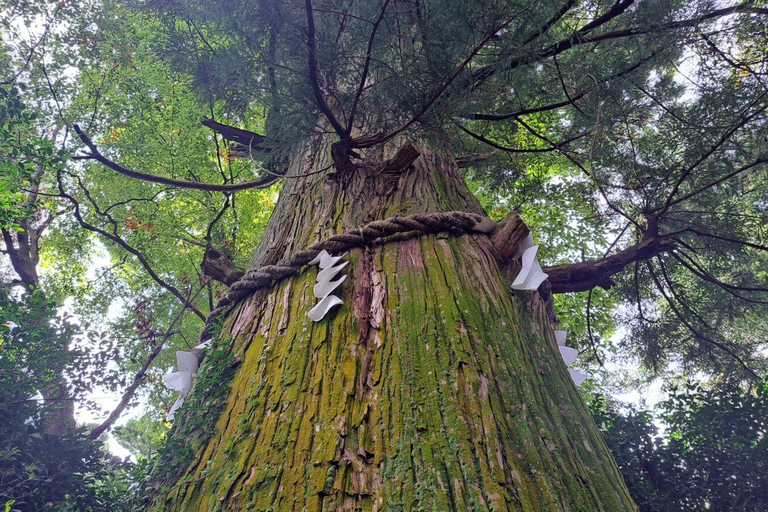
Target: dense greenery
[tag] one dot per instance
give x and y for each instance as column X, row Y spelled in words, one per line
column 603, row 124
column 710, row 455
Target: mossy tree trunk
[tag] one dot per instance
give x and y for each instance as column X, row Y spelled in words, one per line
column 433, row 387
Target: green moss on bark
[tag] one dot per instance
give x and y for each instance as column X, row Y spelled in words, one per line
column 434, row 387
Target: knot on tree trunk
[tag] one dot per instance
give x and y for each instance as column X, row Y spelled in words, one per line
column 511, row 231
column 217, row 266
column 401, row 160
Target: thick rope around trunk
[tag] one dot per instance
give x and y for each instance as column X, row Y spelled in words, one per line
column 454, row 222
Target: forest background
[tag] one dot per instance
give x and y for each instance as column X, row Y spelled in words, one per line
column 102, row 273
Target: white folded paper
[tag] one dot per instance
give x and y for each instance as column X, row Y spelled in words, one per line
column 577, row 376
column 186, row 362
column 181, row 380
column 329, row 273
column 530, row 276
column 324, row 288
column 178, row 381
column 325, row 260
column 569, row 355
column 326, row 285
column 323, row 307
column 172, row 411
column 525, row 243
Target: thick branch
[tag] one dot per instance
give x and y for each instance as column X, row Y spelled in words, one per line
column 464, row 161
column 586, row 275
column 402, row 159
column 95, row 154
column 512, row 230
column 20, row 260
column 313, row 75
column 217, row 266
column 250, row 141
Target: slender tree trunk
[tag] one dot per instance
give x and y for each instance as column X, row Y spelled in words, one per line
column 433, row 387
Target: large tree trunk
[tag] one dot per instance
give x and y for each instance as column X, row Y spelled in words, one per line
column 433, row 387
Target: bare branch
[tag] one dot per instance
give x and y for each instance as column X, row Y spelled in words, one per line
column 585, row 275
column 313, row 78
column 95, row 154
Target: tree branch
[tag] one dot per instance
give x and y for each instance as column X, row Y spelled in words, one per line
column 581, row 36
column 313, row 78
column 381, row 138
column 95, row 154
column 585, row 275
column 250, row 140
column 691, row 328
column 493, row 144
column 366, row 67
column 126, row 246
column 139, row 377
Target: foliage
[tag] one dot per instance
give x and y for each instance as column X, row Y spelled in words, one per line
column 141, row 436
column 712, row 452
column 654, row 130
column 49, row 472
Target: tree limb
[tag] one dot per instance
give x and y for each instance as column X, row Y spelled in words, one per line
column 251, row 141
column 95, row 154
column 585, row 275
column 126, row 246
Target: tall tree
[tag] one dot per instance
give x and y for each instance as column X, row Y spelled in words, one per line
column 435, row 385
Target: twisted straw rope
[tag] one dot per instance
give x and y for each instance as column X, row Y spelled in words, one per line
column 454, row 222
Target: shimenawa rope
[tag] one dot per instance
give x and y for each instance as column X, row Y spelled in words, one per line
column 454, row 222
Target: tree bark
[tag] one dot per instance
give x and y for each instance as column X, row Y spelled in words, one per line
column 435, row 386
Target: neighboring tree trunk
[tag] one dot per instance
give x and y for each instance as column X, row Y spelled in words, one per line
column 22, row 248
column 433, row 387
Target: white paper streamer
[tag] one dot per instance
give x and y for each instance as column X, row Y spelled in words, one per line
column 324, row 288
column 525, row 244
column 577, row 376
column 172, row 411
column 204, row 345
column 569, row 355
column 530, row 276
column 186, row 362
column 326, row 285
column 325, row 260
column 178, row 381
column 323, row 307
column 181, row 380
column 329, row 273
